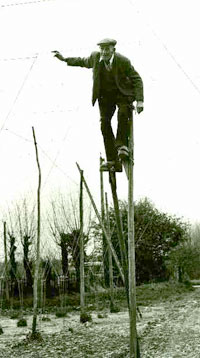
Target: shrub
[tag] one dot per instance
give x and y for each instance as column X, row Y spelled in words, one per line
column 22, row 322
column 114, row 308
column 34, row 337
column 46, row 319
column 15, row 315
column 100, row 315
column 85, row 317
column 61, row 313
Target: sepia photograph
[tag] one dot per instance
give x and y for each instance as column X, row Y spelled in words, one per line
column 100, row 179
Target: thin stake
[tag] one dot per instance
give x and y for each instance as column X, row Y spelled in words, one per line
column 104, row 242
column 36, row 274
column 6, row 260
column 131, row 250
column 82, row 283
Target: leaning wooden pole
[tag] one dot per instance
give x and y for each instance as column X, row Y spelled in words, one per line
column 37, row 264
column 134, row 347
column 82, row 283
column 103, row 227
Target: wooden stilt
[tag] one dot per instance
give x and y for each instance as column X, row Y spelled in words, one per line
column 104, row 242
column 128, row 264
column 103, row 227
column 82, row 283
column 109, row 256
column 134, row 346
column 123, row 250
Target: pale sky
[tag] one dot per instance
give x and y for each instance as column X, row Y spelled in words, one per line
column 161, row 38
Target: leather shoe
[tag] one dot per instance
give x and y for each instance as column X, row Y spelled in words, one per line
column 123, row 152
column 112, row 165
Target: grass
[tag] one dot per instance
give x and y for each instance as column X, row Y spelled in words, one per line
column 165, row 291
column 146, row 294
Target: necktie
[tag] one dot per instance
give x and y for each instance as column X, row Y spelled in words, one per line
column 107, row 65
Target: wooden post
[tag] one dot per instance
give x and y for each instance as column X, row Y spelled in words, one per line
column 82, row 283
column 37, row 264
column 103, row 227
column 134, row 347
column 109, row 255
column 6, row 260
column 102, row 192
column 104, row 242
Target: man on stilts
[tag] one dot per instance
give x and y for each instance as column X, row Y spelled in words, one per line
column 116, row 84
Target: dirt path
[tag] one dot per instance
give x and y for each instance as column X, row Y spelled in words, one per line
column 170, row 329
column 175, row 333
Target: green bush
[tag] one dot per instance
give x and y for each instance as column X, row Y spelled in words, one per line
column 100, row 315
column 114, row 308
column 22, row 322
column 34, row 337
column 15, row 315
column 61, row 312
column 46, row 319
column 85, row 317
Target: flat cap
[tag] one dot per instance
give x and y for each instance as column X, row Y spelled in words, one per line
column 107, row 42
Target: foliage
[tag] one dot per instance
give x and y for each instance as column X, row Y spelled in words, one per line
column 184, row 262
column 61, row 312
column 156, row 234
column 114, row 308
column 31, row 337
column 85, row 317
column 70, row 244
column 46, row 319
column 15, row 315
column 22, row 322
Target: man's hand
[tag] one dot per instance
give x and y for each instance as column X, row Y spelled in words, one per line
column 139, row 107
column 58, row 55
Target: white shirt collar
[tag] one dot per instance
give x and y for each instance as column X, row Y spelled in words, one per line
column 111, row 59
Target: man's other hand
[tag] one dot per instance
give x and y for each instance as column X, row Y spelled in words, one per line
column 139, row 107
column 58, row 55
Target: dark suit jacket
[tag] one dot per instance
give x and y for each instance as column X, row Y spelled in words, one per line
column 127, row 79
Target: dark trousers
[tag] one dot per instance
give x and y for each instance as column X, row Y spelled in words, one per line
column 108, row 103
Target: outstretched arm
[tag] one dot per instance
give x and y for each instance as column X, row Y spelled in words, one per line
column 87, row 62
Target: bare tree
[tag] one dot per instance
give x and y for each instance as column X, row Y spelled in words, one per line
column 26, row 228
column 64, row 224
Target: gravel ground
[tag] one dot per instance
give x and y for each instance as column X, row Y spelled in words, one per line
column 169, row 329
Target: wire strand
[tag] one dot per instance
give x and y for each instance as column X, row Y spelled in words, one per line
column 18, row 94
column 53, row 161
column 168, row 51
column 24, row 3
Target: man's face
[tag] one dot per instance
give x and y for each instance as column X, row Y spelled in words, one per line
column 107, row 52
